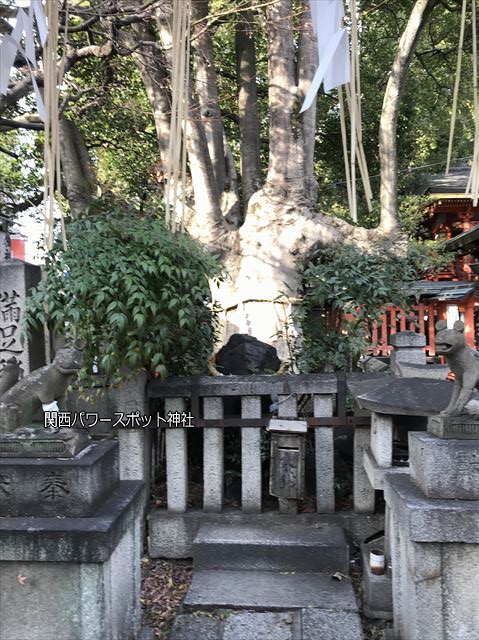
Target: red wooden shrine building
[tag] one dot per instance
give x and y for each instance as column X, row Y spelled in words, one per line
column 452, row 294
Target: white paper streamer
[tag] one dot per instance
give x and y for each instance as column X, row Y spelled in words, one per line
column 333, row 47
column 11, row 44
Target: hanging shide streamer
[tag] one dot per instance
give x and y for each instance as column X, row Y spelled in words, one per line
column 338, row 66
column 23, row 32
column 53, row 74
column 176, row 167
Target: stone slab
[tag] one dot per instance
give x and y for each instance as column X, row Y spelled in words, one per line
column 377, row 591
column 273, row 548
column 190, row 627
column 68, row 539
column 433, row 371
column 73, row 487
column 458, row 428
column 435, row 586
column 258, row 626
column 35, row 442
column 42, row 600
column 266, row 590
column 319, row 624
column 375, row 473
column 444, row 468
column 402, row 396
column 428, row 520
column 255, row 385
column 146, row 633
column 407, row 339
column 171, row 535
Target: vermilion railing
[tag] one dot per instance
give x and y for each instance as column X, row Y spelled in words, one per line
column 421, row 319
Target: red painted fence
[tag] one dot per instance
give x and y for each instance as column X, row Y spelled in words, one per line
column 422, row 319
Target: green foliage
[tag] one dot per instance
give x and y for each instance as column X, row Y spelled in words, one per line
column 134, row 293
column 19, row 152
column 345, row 291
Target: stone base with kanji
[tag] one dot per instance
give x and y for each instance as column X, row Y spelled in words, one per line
column 70, row 547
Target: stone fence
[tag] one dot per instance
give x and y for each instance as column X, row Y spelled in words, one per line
column 324, row 395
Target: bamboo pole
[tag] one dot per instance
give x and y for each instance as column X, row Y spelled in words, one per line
column 176, row 165
column 456, row 85
column 353, row 107
column 342, row 120
column 473, row 182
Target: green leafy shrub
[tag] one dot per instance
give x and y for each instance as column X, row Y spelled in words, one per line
column 135, row 294
column 345, row 291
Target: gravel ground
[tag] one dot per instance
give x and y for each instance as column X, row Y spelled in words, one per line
column 164, row 584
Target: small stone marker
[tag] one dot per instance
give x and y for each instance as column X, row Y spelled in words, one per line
column 16, row 279
column 287, row 461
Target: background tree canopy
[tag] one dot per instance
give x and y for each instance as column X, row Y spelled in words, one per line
column 265, row 184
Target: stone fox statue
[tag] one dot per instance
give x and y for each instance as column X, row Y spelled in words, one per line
column 41, row 387
column 463, row 362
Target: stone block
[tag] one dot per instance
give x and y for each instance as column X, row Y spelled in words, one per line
column 375, row 473
column 73, row 578
column 76, row 540
column 259, row 626
column 259, row 590
column 364, row 493
column 275, row 548
column 189, row 627
column 73, row 487
column 444, row 468
column 459, row 428
column 171, row 535
column 382, row 439
column 433, row 371
column 135, row 444
column 431, row 520
column 16, row 279
column 321, row 624
column 377, row 590
column 407, row 339
column 435, row 583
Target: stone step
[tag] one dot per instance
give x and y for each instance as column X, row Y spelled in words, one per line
column 260, row 590
column 305, row 624
column 271, row 548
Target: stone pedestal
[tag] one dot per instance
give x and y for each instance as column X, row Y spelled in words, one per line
column 434, row 535
column 16, row 278
column 408, row 349
column 376, row 589
column 70, row 545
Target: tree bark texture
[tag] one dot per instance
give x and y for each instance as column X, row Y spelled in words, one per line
column 206, row 88
column 250, row 168
column 77, row 173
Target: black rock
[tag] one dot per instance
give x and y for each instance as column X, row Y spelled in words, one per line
column 244, row 355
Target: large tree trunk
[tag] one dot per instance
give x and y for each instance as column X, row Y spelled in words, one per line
column 390, row 111
column 282, row 221
column 247, row 106
column 206, row 222
column 77, row 173
column 152, row 67
column 206, row 89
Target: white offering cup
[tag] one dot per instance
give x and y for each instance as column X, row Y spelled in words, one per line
column 377, row 561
